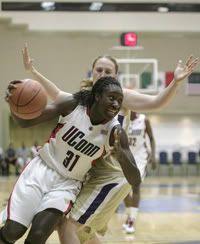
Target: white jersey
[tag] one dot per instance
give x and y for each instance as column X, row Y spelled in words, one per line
column 75, row 143
column 136, row 135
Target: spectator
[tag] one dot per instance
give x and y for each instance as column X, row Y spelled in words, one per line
column 34, row 150
column 2, row 163
column 10, row 158
column 22, row 159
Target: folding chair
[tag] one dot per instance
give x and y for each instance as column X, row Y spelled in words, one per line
column 192, row 164
column 164, row 165
column 177, row 164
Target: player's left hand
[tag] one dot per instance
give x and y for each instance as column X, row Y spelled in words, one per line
column 153, row 165
column 27, row 60
column 116, row 148
column 11, row 86
column 182, row 70
column 152, row 161
column 117, row 145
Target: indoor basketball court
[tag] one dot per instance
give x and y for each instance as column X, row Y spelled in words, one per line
column 147, row 38
column 169, row 213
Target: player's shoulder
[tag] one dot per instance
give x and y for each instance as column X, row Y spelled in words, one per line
column 142, row 116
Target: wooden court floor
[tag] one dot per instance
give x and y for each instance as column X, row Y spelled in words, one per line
column 169, row 213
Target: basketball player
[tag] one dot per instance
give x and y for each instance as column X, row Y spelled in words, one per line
column 49, row 184
column 98, row 201
column 138, row 127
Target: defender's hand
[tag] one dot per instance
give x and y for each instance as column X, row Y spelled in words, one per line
column 182, row 71
column 28, row 62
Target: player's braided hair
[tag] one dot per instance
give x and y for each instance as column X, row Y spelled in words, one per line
column 87, row 97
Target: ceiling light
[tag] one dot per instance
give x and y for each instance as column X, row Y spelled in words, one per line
column 95, row 6
column 163, row 9
column 48, row 6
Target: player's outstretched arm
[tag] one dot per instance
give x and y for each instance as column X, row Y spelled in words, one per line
column 121, row 150
column 63, row 107
column 142, row 102
column 52, row 90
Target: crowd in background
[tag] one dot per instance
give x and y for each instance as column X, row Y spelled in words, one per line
column 13, row 160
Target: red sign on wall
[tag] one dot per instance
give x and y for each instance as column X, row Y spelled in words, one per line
column 129, row 39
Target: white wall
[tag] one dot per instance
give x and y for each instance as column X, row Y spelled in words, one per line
column 176, row 130
column 107, row 22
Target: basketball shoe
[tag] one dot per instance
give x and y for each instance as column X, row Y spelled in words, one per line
column 129, row 226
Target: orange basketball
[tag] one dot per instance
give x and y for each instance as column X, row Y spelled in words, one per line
column 28, row 99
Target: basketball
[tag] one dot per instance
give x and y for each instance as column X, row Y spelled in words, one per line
column 28, row 99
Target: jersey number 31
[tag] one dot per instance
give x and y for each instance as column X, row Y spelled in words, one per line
column 70, row 160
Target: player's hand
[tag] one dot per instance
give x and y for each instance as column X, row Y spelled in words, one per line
column 116, row 144
column 12, row 85
column 28, row 62
column 153, row 164
column 116, row 148
column 182, row 70
column 152, row 161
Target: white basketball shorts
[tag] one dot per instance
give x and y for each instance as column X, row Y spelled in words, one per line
column 38, row 188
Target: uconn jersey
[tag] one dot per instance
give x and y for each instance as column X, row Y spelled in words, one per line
column 136, row 135
column 75, row 143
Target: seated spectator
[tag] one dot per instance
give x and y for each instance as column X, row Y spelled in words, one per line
column 10, row 158
column 2, row 163
column 34, row 150
column 24, row 156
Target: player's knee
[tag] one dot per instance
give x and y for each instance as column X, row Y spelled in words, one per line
column 36, row 236
column 62, row 222
column 26, row 242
